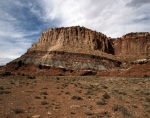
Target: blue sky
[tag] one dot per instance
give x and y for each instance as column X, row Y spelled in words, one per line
column 23, row 21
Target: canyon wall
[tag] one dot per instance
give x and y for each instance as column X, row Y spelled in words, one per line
column 82, row 40
column 79, row 49
column 133, row 45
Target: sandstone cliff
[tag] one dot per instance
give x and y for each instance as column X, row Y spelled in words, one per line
column 73, row 39
column 132, row 46
column 74, row 49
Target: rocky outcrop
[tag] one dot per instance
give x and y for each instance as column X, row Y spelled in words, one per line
column 73, row 39
column 64, row 60
column 81, row 51
column 132, row 46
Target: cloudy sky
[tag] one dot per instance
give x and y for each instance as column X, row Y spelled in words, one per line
column 23, row 21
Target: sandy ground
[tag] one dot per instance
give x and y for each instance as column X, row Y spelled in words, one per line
column 74, row 97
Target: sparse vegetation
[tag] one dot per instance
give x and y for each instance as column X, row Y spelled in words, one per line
column 90, row 92
column 37, row 97
column 6, row 74
column 40, row 66
column 79, row 91
column 31, row 77
column 67, row 92
column 43, row 93
column 146, row 75
column 18, row 110
column 88, row 98
column 123, row 93
column 44, row 102
column 72, row 112
column 122, row 109
column 101, row 102
column 106, row 96
column 147, row 99
column 105, row 87
column 65, row 85
column 1, row 88
column 4, row 92
column 75, row 97
column 44, row 97
column 20, row 63
column 89, row 113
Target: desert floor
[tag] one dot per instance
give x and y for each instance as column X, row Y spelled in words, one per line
column 24, row 96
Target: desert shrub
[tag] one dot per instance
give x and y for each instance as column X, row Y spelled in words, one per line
column 1, row 88
column 31, row 77
column 65, row 85
column 91, row 87
column 99, row 115
column 37, row 97
column 43, row 93
column 146, row 75
column 147, row 99
column 40, row 66
column 79, row 91
column 44, row 103
column 89, row 113
column 122, row 109
column 106, row 96
column 72, row 112
column 12, row 82
column 148, row 111
column 67, row 93
column 76, row 97
column 58, row 87
column 18, row 110
column 134, row 106
column 7, row 74
column 20, row 63
column 123, row 93
column 100, row 102
column 90, row 92
column 5, row 92
column 57, row 107
column 105, row 87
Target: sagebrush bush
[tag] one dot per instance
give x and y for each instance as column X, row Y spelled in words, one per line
column 43, row 93
column 122, row 109
column 100, row 102
column 76, row 97
column 18, row 110
column 106, row 96
column 44, row 103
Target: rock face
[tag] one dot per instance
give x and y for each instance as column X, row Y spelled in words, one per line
column 67, row 60
column 78, row 50
column 73, row 39
column 133, row 46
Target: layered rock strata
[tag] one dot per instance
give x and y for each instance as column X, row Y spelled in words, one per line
column 69, row 61
column 133, row 46
column 78, row 48
column 73, row 39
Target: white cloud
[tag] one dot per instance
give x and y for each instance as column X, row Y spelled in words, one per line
column 137, row 3
column 12, row 36
column 112, row 18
